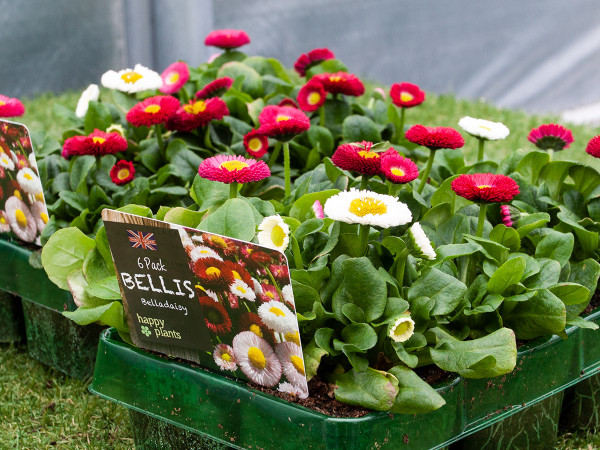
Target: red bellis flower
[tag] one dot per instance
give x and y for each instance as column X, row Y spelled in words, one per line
column 306, row 60
column 485, row 187
column 227, row 39
column 435, row 138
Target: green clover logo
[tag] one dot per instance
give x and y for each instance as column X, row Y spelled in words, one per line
column 146, row 331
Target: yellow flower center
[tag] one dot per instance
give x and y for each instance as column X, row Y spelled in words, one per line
column 39, row 196
column 292, row 337
column 204, row 252
column 18, row 194
column 254, row 144
column 282, row 118
column 257, row 358
column 234, row 165
column 2, row 219
column 367, row 205
column 277, row 235
column 270, row 295
column 195, row 108
column 226, row 357
column 397, row 171
column 402, row 328
column 213, row 272
column 368, row 155
column 406, row 97
column 335, row 79
column 152, row 109
column 173, row 78
column 44, row 217
column 131, row 77
column 298, row 364
column 21, row 218
column 98, row 140
column 122, row 174
column 256, row 330
column 218, row 240
column 275, row 310
column 2, row 103
column 241, row 289
column 485, row 128
column 313, row 98
column 27, row 176
column 236, row 275
column 484, row 186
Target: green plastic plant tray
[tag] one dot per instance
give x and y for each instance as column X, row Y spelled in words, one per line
column 231, row 413
column 12, row 329
column 52, row 339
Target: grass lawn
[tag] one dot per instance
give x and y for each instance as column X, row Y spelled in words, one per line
column 41, row 408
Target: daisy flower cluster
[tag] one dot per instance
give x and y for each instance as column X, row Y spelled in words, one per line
column 248, row 306
column 23, row 212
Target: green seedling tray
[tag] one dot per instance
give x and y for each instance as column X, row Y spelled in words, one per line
column 231, row 413
column 12, row 329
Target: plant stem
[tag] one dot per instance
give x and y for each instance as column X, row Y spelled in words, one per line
column 184, row 95
column 286, row 168
column 480, row 152
column 233, row 190
column 481, row 221
column 159, row 140
column 297, row 254
column 274, row 155
column 363, row 236
column 322, row 115
column 400, row 266
column 550, row 154
column 207, row 142
column 427, row 170
column 364, row 181
column 401, row 124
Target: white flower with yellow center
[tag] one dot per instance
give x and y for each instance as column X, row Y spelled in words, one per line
column 20, row 219
column 420, row 242
column 40, row 215
column 138, row 79
column 202, row 251
column 29, row 181
column 288, row 294
column 257, row 287
column 90, row 94
column 32, row 161
column 242, row 290
column 292, row 363
column 224, row 357
column 292, row 336
column 278, row 317
column 367, row 208
column 6, row 162
column 289, row 388
column 274, row 233
column 484, row 129
column 402, row 329
column 4, row 225
column 257, row 359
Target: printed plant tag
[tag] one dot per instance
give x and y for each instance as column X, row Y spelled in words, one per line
column 23, row 212
column 220, row 302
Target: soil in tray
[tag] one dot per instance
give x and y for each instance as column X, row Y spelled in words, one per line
column 594, row 303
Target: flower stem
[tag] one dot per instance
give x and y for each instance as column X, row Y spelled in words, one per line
column 184, row 95
column 364, row 181
column 274, row 155
column 401, row 123
column 550, row 154
column 481, row 221
column 286, row 168
column 207, row 142
column 427, row 170
column 480, row 152
column 297, row 254
column 322, row 115
column 363, row 236
column 159, row 140
column 233, row 190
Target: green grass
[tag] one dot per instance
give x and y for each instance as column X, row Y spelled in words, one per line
column 41, row 408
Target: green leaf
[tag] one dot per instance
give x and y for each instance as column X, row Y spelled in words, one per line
column 531, row 165
column 415, row 396
column 321, row 136
column 531, row 222
column 586, row 273
column 554, row 174
column 372, row 389
column 304, row 296
column 437, row 215
column 548, row 275
column 445, row 194
column 107, row 289
column 302, row 208
column 580, row 322
column 589, row 239
column 138, row 210
column 94, row 267
column 97, row 116
column 234, row 218
column 208, row 194
column 102, row 246
column 312, row 358
column 360, row 128
column 586, row 179
column 184, row 216
column 491, row 249
column 79, row 170
column 451, row 251
column 571, row 293
column 64, row 252
column 445, row 290
column 486, row 357
column 360, row 335
column 251, row 81
column 541, row 315
column 507, row 236
column 508, row 274
column 556, row 245
column 110, row 314
column 74, row 199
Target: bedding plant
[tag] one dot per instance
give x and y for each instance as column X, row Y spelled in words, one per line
column 402, row 254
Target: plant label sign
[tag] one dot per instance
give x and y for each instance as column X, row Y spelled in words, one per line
column 220, row 302
column 23, row 212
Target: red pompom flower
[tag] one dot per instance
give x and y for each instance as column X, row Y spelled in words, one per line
column 227, row 39
column 233, row 169
column 288, row 102
column 593, row 147
column 551, row 137
column 174, row 77
column 311, row 96
column 212, row 274
column 406, row 95
column 197, row 113
column 341, row 83
column 256, row 144
column 97, row 143
column 215, row 315
column 485, row 187
column 152, row 111
column 122, row 172
column 11, row 107
column 398, row 169
column 306, row 60
column 282, row 122
column 358, row 157
column 435, row 138
column 215, row 88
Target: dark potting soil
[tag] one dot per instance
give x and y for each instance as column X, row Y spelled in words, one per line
column 594, row 304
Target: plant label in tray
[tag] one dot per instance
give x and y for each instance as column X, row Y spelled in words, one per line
column 220, row 302
column 23, row 213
